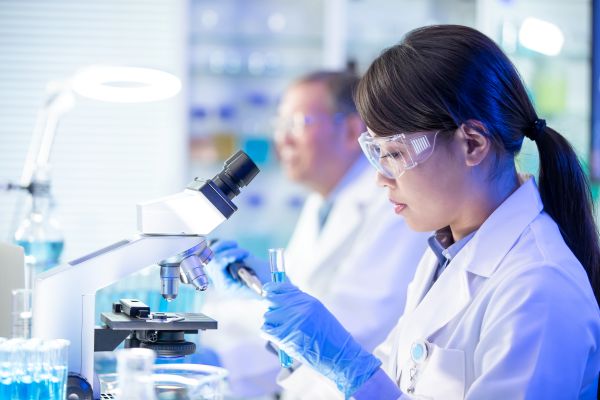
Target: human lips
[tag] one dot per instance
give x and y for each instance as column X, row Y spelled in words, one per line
column 398, row 207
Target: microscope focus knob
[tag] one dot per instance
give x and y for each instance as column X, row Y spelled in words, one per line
column 78, row 388
column 170, row 349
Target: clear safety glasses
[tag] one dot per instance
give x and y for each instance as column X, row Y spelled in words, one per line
column 297, row 123
column 393, row 155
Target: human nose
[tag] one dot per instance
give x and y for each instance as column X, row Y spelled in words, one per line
column 384, row 181
column 281, row 129
column 284, row 136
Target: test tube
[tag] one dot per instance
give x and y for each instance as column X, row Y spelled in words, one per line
column 276, row 261
column 21, row 313
column 56, row 356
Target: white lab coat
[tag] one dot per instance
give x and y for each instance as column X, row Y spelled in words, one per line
column 359, row 266
column 512, row 317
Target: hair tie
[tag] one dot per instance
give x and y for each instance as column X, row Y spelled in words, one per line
column 536, row 129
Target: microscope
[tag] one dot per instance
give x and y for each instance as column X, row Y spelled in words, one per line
column 172, row 233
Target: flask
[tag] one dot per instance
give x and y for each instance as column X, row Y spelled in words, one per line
column 40, row 233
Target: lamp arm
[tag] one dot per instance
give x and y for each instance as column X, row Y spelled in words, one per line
column 59, row 100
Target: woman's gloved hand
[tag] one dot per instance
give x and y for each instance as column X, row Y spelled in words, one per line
column 307, row 331
column 226, row 252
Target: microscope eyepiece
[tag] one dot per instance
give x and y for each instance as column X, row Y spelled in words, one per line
column 238, row 171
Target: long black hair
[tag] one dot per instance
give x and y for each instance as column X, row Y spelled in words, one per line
column 440, row 77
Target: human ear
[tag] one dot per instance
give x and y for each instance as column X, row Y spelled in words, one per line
column 355, row 126
column 474, row 142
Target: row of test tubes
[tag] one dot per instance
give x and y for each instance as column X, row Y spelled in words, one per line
column 32, row 369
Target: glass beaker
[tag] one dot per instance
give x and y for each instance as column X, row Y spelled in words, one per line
column 177, row 382
column 189, row 382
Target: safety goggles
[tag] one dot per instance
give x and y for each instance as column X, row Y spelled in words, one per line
column 393, row 155
column 297, row 123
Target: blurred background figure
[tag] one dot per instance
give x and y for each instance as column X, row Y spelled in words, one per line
column 348, row 247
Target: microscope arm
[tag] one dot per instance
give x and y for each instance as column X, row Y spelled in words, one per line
column 64, row 301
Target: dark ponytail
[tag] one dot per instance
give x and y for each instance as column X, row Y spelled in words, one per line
column 441, row 77
column 567, row 198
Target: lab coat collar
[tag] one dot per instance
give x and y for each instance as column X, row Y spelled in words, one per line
column 500, row 231
column 349, row 209
column 482, row 254
column 430, row 307
column 443, row 245
column 346, row 186
column 349, row 199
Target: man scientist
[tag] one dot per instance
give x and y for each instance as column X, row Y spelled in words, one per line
column 347, row 245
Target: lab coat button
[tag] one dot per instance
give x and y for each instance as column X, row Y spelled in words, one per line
column 419, row 351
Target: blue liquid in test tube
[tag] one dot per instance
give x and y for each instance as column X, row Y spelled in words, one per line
column 278, row 275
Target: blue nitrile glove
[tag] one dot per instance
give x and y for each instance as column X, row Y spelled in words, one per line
column 226, row 252
column 307, row 331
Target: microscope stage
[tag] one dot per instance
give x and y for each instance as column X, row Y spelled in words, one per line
column 190, row 322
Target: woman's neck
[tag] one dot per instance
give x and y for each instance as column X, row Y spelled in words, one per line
column 484, row 198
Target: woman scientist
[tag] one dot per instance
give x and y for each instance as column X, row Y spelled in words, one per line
column 504, row 303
